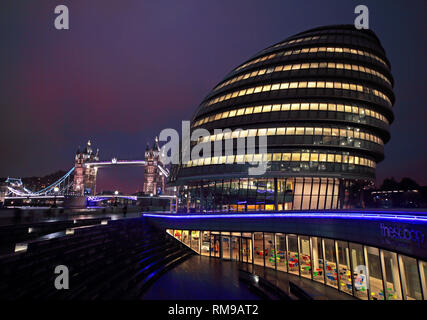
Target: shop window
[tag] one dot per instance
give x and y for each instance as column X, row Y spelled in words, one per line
column 331, row 271
column 205, row 243
column 235, row 246
column 259, row 251
column 293, row 258
column 270, row 255
column 423, row 276
column 344, row 270
column 280, row 252
column 359, row 271
column 304, row 256
column 225, row 246
column 376, row 289
column 410, row 278
column 178, row 234
column 317, row 259
column 391, row 276
column 186, row 237
column 195, row 241
column 215, row 244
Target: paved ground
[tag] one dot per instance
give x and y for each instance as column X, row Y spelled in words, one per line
column 201, row 278
column 281, row 279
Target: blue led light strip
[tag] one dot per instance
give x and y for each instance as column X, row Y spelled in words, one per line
column 326, row 215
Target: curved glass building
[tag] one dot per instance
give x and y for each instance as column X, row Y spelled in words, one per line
column 323, row 99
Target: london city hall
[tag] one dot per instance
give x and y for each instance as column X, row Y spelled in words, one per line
column 323, row 98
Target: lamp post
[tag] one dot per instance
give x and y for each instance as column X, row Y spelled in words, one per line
column 55, row 191
column 115, row 198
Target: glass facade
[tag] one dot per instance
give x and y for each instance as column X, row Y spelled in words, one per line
column 365, row 272
column 247, row 195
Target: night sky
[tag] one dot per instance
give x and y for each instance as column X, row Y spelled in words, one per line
column 126, row 69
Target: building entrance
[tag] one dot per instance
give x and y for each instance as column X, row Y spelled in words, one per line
column 245, row 250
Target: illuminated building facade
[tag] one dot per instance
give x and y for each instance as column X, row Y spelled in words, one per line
column 323, row 98
column 154, row 180
column 85, row 176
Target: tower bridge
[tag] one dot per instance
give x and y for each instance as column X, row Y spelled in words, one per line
column 81, row 179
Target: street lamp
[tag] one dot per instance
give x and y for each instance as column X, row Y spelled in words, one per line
column 115, row 198
column 55, row 190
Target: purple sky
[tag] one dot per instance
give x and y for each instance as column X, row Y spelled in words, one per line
column 127, row 69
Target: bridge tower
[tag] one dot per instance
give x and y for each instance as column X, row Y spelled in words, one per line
column 85, row 177
column 154, row 180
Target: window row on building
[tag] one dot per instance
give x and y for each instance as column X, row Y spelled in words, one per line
column 283, row 168
column 365, row 272
column 312, row 106
column 314, row 50
column 298, row 40
column 360, row 40
column 297, row 156
column 348, row 133
column 300, row 85
column 298, row 66
column 261, row 194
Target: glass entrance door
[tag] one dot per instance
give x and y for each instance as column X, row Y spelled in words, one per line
column 235, row 244
column 246, row 250
column 226, row 248
column 215, row 245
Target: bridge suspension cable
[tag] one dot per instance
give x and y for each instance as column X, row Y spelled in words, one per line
column 26, row 192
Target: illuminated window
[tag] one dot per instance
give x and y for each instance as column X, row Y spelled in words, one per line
column 318, row 131
column 271, row 131
column 309, row 131
column 252, row 132
column 299, row 131
column 262, row 132
column 258, row 89
column 286, row 157
column 277, row 157
column 266, row 108
column 281, row 131
column 257, row 109
column 305, row 156
column 290, row 130
column 296, row 156
column 240, row 112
